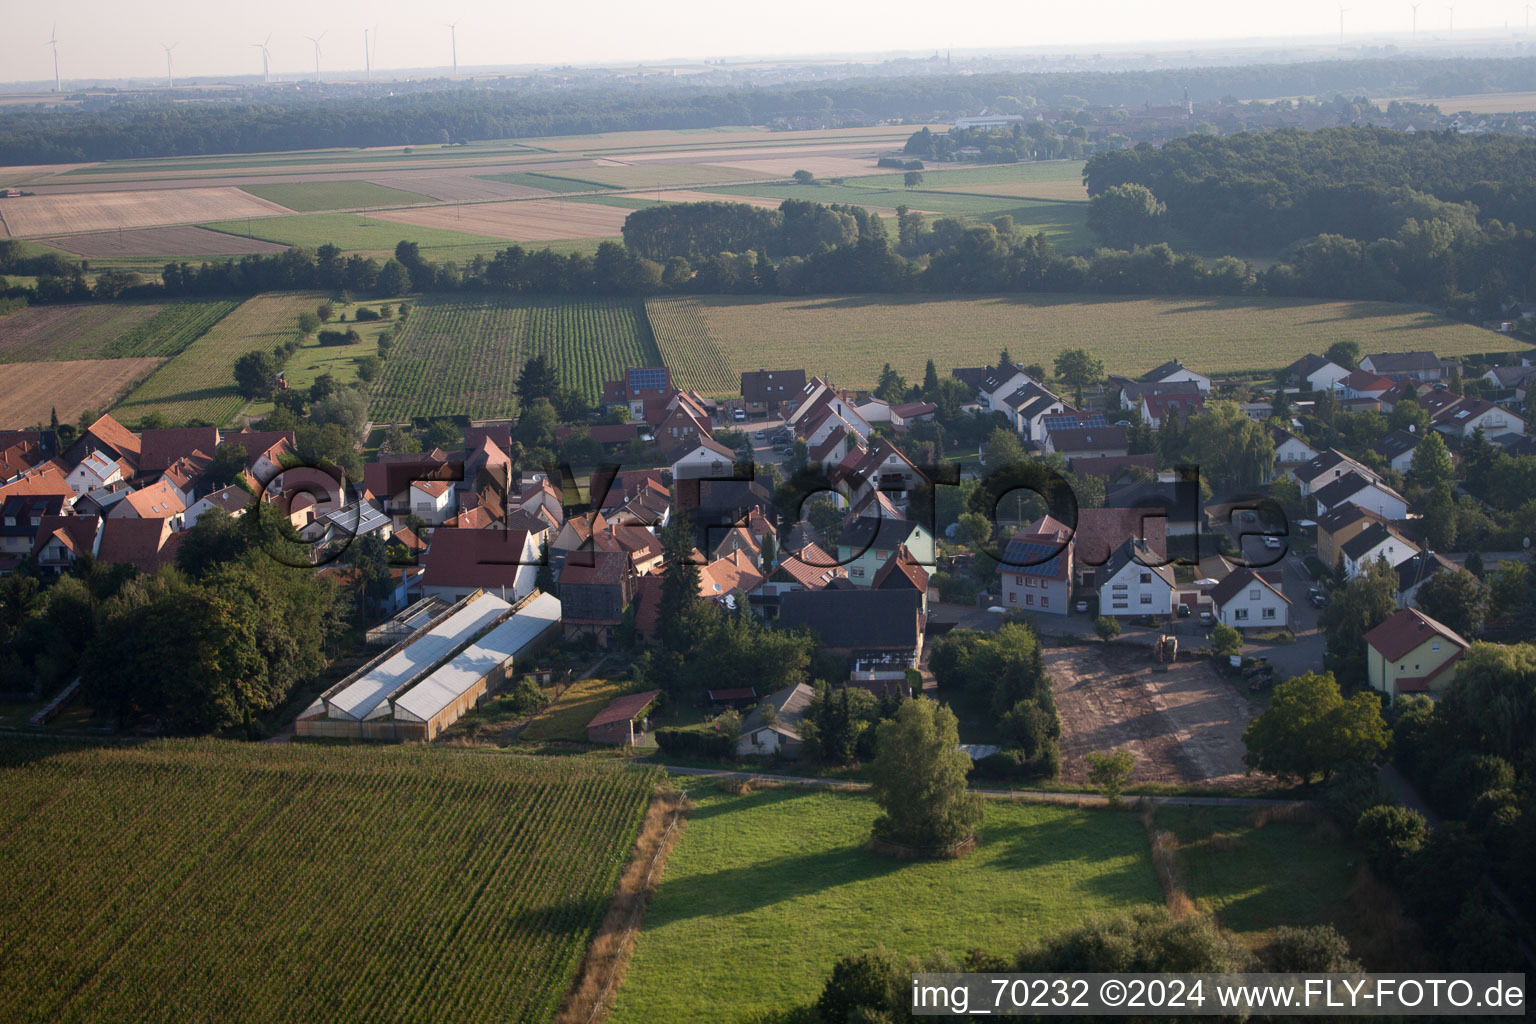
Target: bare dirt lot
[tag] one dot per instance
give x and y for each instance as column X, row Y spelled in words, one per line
column 70, row 387
column 1184, row 726
column 533, row 220
column 169, row 243
column 35, row 216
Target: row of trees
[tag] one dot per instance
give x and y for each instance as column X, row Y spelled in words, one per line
column 137, row 125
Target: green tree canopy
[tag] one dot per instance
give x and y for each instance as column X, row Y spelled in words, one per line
column 919, row 779
column 1310, row 729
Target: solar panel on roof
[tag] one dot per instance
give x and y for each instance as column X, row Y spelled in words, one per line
column 1074, row 422
column 648, row 378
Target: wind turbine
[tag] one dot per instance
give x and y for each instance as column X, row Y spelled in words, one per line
column 1452, row 29
column 265, row 58
column 169, row 80
column 316, row 41
column 1342, row 11
column 53, row 41
column 453, row 35
column 1416, row 18
column 367, row 61
column 1527, row 23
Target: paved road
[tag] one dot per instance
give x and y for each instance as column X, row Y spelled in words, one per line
column 1046, row 796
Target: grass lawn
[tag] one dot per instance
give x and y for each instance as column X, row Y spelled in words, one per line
column 765, row 891
column 567, row 718
column 1255, row 879
column 340, row 361
column 306, row 196
column 355, row 232
column 1131, row 334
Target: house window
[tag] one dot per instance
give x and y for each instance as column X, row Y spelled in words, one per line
column 1146, row 577
column 1029, row 581
column 1013, row 598
column 1146, row 598
column 1253, row 593
column 857, row 570
column 1120, row 605
column 1435, row 646
column 1269, row 613
column 1045, row 602
column 1019, row 580
column 1029, row 598
column 1240, row 614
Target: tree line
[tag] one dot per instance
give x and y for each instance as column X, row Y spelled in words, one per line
column 136, row 127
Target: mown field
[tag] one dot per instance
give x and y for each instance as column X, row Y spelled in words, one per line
column 356, row 232
column 460, row 355
column 119, row 330
column 68, row 387
column 765, row 891
column 221, row 882
column 199, row 383
column 850, row 338
column 308, row 196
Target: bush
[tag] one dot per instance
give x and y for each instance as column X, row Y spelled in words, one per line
column 366, row 315
column 1018, row 766
column 368, row 368
column 1352, row 791
column 688, row 743
column 1316, row 950
column 1459, row 783
column 347, row 337
column 1390, row 835
column 873, row 982
column 525, row 698
column 1225, row 641
column 1106, row 627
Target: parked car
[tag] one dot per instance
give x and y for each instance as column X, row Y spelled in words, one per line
column 1183, row 611
column 1081, row 605
column 1250, row 516
column 1272, row 543
column 761, row 435
column 1318, row 598
column 1207, row 619
column 739, row 415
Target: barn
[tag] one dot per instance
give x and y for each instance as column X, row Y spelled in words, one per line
column 615, row 724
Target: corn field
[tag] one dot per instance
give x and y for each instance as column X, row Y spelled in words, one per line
column 212, row 881
column 692, row 353
column 461, row 355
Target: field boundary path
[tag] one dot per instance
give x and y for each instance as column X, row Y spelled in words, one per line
column 1042, row 795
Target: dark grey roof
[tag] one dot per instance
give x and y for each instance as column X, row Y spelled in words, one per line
column 971, row 376
column 857, row 617
column 877, row 533
column 1157, row 373
column 1342, row 489
column 1089, row 439
column 1402, row 362
column 1136, row 390
column 1421, row 567
column 761, row 386
column 1396, row 443
column 1135, row 550
column 1180, row 499
column 1368, row 538
column 1337, row 518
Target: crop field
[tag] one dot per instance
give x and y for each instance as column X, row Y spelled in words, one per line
column 106, row 331
column 199, row 383
column 765, row 891
column 545, row 183
column 523, row 220
column 206, row 881
column 850, row 338
column 35, row 390
column 695, row 356
column 461, row 355
column 567, row 718
column 459, row 187
column 823, row 165
column 982, row 177
column 356, row 232
column 1478, row 103
column 161, row 243
column 43, row 215
column 312, row 196
column 613, row 174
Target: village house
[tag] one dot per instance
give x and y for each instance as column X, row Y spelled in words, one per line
column 1412, row 653
column 1377, row 541
column 1338, row 526
column 1354, row 489
column 770, row 392
column 867, row 542
column 1136, row 582
column 774, row 730
column 1399, row 366
column 1315, row 373
column 1246, row 600
column 1035, row 573
column 639, row 385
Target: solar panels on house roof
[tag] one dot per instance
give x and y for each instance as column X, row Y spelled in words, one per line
column 1074, row 422
column 648, row 378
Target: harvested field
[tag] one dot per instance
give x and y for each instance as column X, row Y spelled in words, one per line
column 40, row 216
column 161, row 243
column 840, row 150
column 1130, row 334
column 614, row 174
column 1184, row 725
column 461, row 188
column 318, row 196
column 68, row 387
column 680, row 195
column 52, row 332
column 1480, row 103
column 534, row 220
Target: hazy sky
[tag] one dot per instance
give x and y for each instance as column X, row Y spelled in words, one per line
column 108, row 38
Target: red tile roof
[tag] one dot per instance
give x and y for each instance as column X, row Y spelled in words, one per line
column 624, row 709
column 1406, row 630
column 159, row 448
column 116, row 436
column 1101, row 530
column 138, row 542
column 157, row 501
column 474, row 558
